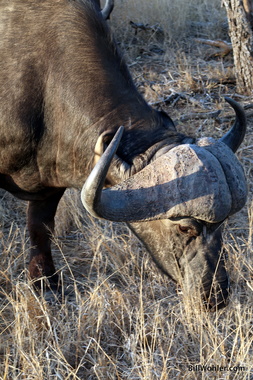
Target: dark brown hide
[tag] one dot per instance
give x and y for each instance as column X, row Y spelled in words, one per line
column 62, row 84
column 66, row 83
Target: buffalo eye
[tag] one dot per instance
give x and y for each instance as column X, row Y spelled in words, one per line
column 187, row 230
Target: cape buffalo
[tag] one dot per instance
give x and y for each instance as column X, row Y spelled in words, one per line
column 64, row 92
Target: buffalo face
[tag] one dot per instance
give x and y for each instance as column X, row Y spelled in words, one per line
column 176, row 205
column 190, row 252
column 200, row 262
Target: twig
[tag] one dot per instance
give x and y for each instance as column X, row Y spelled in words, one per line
column 226, row 47
column 245, row 148
column 139, row 26
column 192, row 100
column 168, row 100
column 175, row 97
column 247, row 159
column 200, row 115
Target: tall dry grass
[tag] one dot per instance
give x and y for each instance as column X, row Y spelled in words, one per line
column 178, row 19
column 119, row 317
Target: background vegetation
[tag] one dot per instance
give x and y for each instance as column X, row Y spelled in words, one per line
column 122, row 318
column 178, row 19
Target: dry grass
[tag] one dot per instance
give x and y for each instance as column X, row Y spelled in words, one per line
column 123, row 319
column 178, row 19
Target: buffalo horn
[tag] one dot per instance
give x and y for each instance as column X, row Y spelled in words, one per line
column 234, row 137
column 107, row 10
column 92, row 189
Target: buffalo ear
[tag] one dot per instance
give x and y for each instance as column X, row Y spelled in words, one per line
column 167, row 122
column 102, row 142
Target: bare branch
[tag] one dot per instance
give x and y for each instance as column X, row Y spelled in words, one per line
column 139, row 26
column 200, row 115
column 226, row 47
column 175, row 97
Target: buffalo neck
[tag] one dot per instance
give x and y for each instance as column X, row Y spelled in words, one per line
column 89, row 90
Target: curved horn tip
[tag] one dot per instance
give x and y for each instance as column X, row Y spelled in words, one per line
column 114, row 143
column 233, row 102
column 234, row 137
column 107, row 10
column 92, row 188
column 119, row 132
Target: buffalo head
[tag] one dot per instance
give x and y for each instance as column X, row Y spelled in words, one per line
column 177, row 204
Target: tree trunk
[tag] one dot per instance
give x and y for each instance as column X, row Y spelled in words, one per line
column 240, row 20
